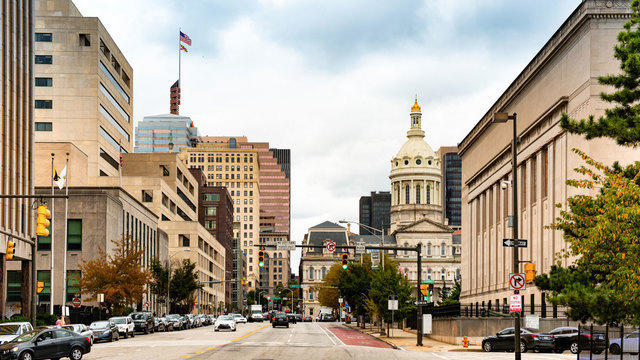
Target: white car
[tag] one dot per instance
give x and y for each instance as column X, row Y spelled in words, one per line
column 81, row 329
column 239, row 318
column 125, row 325
column 224, row 322
column 9, row 331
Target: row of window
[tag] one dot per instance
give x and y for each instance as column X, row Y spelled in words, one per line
column 74, row 237
column 234, row 159
column 14, row 285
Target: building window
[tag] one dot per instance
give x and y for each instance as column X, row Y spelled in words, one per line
column 111, row 161
column 407, row 193
column 184, row 241
column 44, row 126
column 147, row 195
column 211, row 210
column 73, row 284
column 545, row 164
column 74, row 234
column 443, row 247
column 210, row 224
column 14, row 286
column 311, row 298
column 43, row 81
column 211, row 197
column 84, row 39
column 310, row 275
column 429, row 249
column 417, row 194
column 44, row 104
column 44, row 37
column 428, row 194
column 44, row 59
column 44, row 276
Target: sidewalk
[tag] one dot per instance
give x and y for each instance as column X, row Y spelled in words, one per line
column 407, row 340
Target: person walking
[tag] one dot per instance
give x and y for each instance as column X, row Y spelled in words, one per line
column 60, row 321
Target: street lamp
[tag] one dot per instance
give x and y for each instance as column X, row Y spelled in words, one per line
column 502, row 117
column 169, row 277
column 292, row 296
column 373, row 233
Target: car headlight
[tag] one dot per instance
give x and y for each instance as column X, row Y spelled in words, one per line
column 15, row 349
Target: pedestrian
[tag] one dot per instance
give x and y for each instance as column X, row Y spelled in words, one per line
column 60, row 321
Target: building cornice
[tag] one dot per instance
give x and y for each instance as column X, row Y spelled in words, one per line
column 587, row 10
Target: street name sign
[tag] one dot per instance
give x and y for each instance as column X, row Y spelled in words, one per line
column 286, row 246
column 515, row 303
column 294, row 285
column 375, row 259
column 271, row 242
column 331, row 246
column 360, row 248
column 517, row 281
column 509, row 243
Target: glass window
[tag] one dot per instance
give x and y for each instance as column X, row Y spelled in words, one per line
column 44, row 104
column 417, row 194
column 428, row 194
column 14, row 285
column 407, row 194
column 73, row 284
column 113, row 101
column 110, row 139
column 113, row 122
column 45, row 277
column 74, row 234
column 113, row 80
column 211, row 210
column 42, row 81
column 44, row 126
column 44, row 37
column 44, row 59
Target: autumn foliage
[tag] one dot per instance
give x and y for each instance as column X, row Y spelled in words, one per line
column 117, row 274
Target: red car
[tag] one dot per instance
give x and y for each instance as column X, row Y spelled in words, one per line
column 307, row 319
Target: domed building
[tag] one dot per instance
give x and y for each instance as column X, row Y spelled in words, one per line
column 416, row 210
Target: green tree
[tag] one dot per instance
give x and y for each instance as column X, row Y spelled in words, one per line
column 390, row 282
column 184, row 283
column 328, row 292
column 354, row 284
column 252, row 298
column 622, row 122
column 453, row 297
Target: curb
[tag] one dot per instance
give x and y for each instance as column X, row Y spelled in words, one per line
column 377, row 338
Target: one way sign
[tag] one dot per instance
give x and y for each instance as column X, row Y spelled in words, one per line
column 509, row 242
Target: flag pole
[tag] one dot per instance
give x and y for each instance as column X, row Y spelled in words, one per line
column 66, row 235
column 53, row 218
column 179, row 72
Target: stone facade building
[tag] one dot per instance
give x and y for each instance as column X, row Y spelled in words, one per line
column 561, row 78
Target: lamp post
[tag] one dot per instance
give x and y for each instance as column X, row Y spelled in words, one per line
column 373, row 233
column 503, row 117
column 169, row 278
column 292, row 297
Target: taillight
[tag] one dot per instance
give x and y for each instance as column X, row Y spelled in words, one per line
column 88, row 340
column 534, row 335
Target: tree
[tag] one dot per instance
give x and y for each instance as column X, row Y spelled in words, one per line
column 253, row 298
column 354, row 283
column 118, row 275
column 390, row 282
column 622, row 122
column 604, row 238
column 453, row 298
column 184, row 283
column 328, row 292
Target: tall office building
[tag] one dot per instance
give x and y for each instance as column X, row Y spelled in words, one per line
column 83, row 89
column 16, row 142
column 174, row 98
column 374, row 212
column 451, row 166
column 165, row 133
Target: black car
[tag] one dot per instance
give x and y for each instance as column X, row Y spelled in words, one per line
column 326, row 317
column 280, row 320
column 143, row 321
column 104, row 330
column 291, row 318
column 504, row 340
column 566, row 338
column 44, row 343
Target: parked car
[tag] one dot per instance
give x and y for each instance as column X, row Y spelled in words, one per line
column 159, row 325
column 326, row 317
column 104, row 330
column 212, row 319
column 307, row 319
column 176, row 321
column 225, row 322
column 628, row 344
column 192, row 321
column 125, row 325
column 280, row 320
column 239, row 318
column 143, row 321
column 43, row 343
column 504, row 340
column 291, row 318
column 81, row 329
column 566, row 338
column 11, row 330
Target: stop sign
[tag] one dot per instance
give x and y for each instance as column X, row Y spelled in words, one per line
column 76, row 302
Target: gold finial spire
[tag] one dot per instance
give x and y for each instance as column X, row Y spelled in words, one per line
column 415, row 106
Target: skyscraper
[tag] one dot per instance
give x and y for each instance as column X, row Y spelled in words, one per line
column 374, row 212
column 165, row 133
column 451, row 191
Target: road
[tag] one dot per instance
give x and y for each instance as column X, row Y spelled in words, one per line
column 259, row 341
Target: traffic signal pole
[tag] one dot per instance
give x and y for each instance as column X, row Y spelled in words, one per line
column 514, row 187
column 419, row 301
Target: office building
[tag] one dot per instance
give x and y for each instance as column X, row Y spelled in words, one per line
column 16, row 142
column 174, row 98
column 165, row 133
column 451, row 166
column 83, row 88
column 562, row 78
column 276, row 271
column 374, row 213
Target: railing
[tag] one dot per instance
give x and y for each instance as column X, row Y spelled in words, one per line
column 607, row 343
column 477, row 310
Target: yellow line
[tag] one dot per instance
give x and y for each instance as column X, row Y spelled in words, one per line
column 252, row 332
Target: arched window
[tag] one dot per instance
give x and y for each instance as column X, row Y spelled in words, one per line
column 279, row 255
column 444, row 273
column 398, row 195
column 406, row 244
column 417, row 194
column 443, row 247
column 458, row 276
column 407, row 194
column 429, row 274
column 324, row 272
column 428, row 194
column 310, row 274
column 429, row 249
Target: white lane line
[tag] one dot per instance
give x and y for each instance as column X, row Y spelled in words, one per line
column 325, row 332
column 439, row 356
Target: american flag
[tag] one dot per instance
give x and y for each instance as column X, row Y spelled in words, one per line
column 185, row 39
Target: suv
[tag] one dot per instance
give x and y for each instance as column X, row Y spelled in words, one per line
column 9, row 331
column 143, row 321
column 125, row 325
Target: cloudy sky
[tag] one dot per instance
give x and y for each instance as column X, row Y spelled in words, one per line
column 333, row 80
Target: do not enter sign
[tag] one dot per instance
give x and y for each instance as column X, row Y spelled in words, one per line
column 76, row 302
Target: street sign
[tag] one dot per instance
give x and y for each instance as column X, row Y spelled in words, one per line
column 392, row 305
column 375, row 259
column 532, row 321
column 294, row 286
column 424, row 289
column 270, row 242
column 286, row 246
column 517, row 281
column 509, row 243
column 427, row 322
column 360, row 248
column 515, row 303
column 147, row 304
column 331, row 246
column 76, row 302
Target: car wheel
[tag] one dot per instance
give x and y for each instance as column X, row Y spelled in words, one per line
column 26, row 356
column 117, row 336
column 574, row 347
column 487, row 347
column 146, row 330
column 76, row 354
column 126, row 334
column 216, row 330
column 614, row 349
column 523, row 347
column 234, row 329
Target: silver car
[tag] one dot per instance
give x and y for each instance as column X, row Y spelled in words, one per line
column 81, row 329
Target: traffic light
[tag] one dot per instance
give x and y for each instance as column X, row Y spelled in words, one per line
column 39, row 286
column 430, row 287
column 530, row 272
column 42, row 221
column 244, row 281
column 10, row 249
column 261, row 258
column 345, row 260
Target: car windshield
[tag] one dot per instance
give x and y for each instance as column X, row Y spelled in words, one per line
column 138, row 316
column 120, row 320
column 237, row 315
column 173, row 316
column 26, row 336
column 226, row 317
column 70, row 327
column 9, row 329
column 99, row 325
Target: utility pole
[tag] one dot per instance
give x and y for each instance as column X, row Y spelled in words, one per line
column 419, row 297
column 516, row 261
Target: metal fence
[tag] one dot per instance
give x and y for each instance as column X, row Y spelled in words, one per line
column 607, row 343
column 487, row 310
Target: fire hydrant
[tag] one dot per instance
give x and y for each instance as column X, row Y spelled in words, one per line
column 465, row 342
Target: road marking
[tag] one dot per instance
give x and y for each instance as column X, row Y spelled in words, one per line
column 326, row 333
column 439, row 356
column 250, row 333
